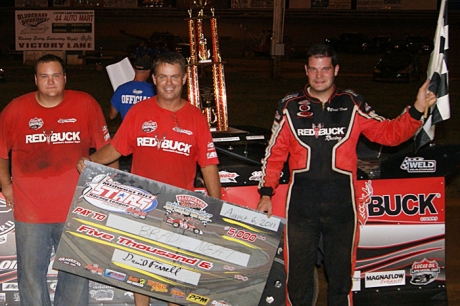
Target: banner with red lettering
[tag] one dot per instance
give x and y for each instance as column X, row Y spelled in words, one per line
column 401, row 252
column 54, row 30
column 172, row 244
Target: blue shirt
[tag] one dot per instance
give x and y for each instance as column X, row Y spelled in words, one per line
column 131, row 93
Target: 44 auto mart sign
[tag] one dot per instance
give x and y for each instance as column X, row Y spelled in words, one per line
column 54, row 30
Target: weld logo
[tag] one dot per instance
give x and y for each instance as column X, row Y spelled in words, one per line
column 418, row 165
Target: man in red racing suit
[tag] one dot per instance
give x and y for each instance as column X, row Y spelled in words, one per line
column 318, row 129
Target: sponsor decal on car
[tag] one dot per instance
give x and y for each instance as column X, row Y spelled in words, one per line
column 419, row 207
column 228, row 177
column 424, row 272
column 418, row 165
column 385, row 278
column 10, row 287
column 102, row 295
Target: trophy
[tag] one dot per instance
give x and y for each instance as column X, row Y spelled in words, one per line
column 201, row 56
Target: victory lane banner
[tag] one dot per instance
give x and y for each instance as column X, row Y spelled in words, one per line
column 165, row 242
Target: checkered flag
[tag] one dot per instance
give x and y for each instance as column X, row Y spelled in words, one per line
column 438, row 74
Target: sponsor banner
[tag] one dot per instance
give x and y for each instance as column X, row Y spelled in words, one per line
column 172, row 244
column 385, row 279
column 54, row 30
column 402, row 239
column 401, row 201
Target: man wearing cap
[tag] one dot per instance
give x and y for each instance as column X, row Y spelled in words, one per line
column 132, row 92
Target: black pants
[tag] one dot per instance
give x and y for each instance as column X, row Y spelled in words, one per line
column 315, row 210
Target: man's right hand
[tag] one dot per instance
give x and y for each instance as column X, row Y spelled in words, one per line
column 265, row 205
column 81, row 164
column 7, row 191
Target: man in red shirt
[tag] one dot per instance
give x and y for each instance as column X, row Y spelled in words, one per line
column 167, row 136
column 44, row 133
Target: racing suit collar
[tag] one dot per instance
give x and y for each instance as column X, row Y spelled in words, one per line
column 316, row 100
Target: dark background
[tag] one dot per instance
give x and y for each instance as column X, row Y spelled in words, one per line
column 252, row 91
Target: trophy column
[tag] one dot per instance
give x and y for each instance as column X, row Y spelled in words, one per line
column 200, row 57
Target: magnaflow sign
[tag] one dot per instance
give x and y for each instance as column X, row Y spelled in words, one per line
column 54, row 30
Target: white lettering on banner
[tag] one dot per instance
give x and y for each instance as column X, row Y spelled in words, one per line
column 165, row 144
column 177, row 240
column 321, row 132
column 54, row 138
column 42, row 45
column 132, row 99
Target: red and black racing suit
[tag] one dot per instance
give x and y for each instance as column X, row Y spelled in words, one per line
column 320, row 141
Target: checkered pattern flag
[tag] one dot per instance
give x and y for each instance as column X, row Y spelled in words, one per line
column 438, row 74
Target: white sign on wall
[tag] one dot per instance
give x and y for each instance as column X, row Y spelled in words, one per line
column 54, row 30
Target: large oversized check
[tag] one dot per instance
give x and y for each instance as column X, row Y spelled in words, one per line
column 169, row 243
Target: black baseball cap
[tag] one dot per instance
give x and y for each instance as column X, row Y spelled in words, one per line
column 143, row 63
